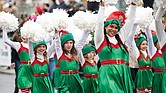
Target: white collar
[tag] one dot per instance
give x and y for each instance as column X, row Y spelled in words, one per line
column 40, row 57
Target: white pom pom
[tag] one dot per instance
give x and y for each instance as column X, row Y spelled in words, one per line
column 46, row 21
column 85, row 20
column 8, row 22
column 33, row 31
column 144, row 16
column 61, row 19
column 160, row 2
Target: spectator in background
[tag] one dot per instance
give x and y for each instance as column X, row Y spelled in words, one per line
column 62, row 5
column 93, row 6
column 13, row 9
column 53, row 6
column 148, row 3
column 46, row 7
column 15, row 61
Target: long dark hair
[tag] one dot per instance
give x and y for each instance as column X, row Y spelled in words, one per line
column 119, row 42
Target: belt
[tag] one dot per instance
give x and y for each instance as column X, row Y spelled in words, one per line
column 127, row 64
column 70, row 72
column 57, row 66
column 41, row 74
column 145, row 67
column 25, row 62
column 91, row 75
column 116, row 61
column 158, row 70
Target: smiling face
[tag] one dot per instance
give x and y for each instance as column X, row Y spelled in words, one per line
column 144, row 45
column 68, row 45
column 41, row 49
column 111, row 29
column 90, row 55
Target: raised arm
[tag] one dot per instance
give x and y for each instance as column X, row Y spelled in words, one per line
column 15, row 45
column 125, row 30
column 31, row 52
column 58, row 47
column 99, row 32
column 159, row 27
column 151, row 48
column 130, row 38
column 81, row 42
column 81, row 58
column 51, row 48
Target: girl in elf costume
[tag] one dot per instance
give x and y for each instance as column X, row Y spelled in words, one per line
column 161, row 39
column 144, row 75
column 113, row 74
column 24, row 80
column 41, row 81
column 70, row 81
column 89, row 65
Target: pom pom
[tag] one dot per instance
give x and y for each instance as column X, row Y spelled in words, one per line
column 85, row 20
column 8, row 22
column 46, row 21
column 144, row 16
column 160, row 2
column 61, row 19
column 33, row 31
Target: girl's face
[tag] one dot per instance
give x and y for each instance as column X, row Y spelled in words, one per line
column 144, row 45
column 111, row 29
column 91, row 55
column 41, row 49
column 68, row 45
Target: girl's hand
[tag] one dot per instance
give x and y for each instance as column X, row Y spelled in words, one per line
column 102, row 3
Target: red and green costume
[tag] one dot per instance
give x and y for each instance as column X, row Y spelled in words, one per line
column 144, row 75
column 70, row 81
column 90, row 81
column 24, row 79
column 113, row 74
column 41, row 81
column 56, row 74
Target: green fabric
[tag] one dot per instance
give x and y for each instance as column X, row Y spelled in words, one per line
column 158, row 62
column 39, row 43
column 56, row 74
column 118, row 23
column 114, row 78
column 70, row 83
column 66, row 37
column 41, row 84
column 144, row 77
column 24, row 79
column 164, row 77
column 140, row 40
column 155, row 39
column 90, row 84
column 87, row 49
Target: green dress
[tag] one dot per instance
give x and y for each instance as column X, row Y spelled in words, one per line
column 144, row 75
column 24, row 79
column 56, row 73
column 90, row 81
column 163, row 49
column 41, row 81
column 158, row 66
column 113, row 73
column 70, row 81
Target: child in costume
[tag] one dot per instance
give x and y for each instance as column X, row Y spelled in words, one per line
column 70, row 81
column 89, row 65
column 24, row 79
column 41, row 81
column 161, row 39
column 109, row 39
column 144, row 75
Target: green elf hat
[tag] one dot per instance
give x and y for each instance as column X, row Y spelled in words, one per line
column 87, row 48
column 154, row 36
column 139, row 40
column 66, row 36
column 39, row 43
column 118, row 23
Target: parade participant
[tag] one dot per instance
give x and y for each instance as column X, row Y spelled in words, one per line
column 89, row 65
column 24, row 80
column 161, row 39
column 41, row 81
column 70, row 81
column 113, row 74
